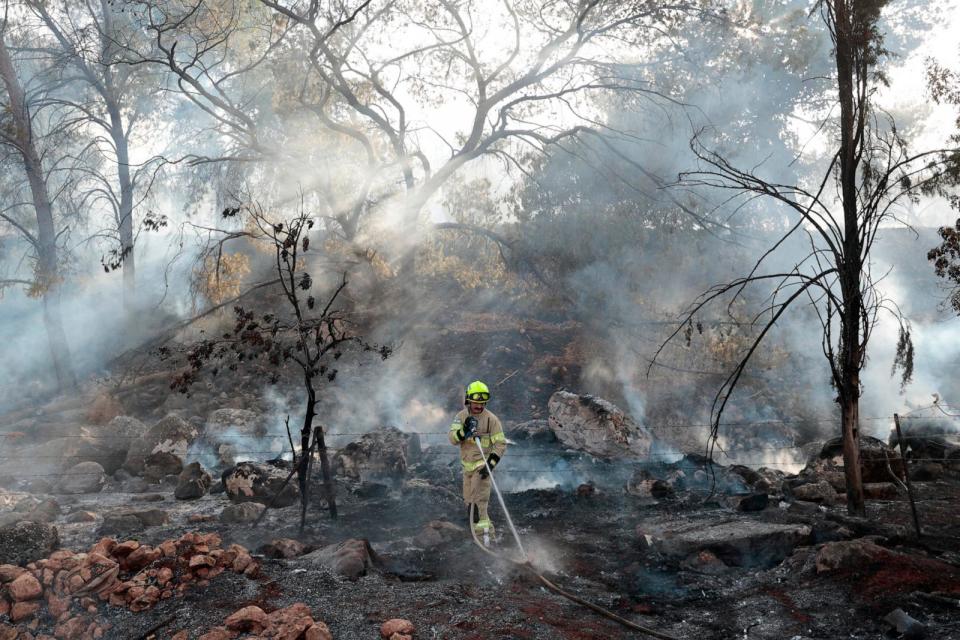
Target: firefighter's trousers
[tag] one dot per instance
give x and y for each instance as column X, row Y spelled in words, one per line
column 476, row 490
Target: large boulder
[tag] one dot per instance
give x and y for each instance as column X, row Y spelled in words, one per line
column 381, row 454
column 877, row 459
column 255, row 482
column 86, row 477
column 157, row 466
column 230, row 433
column 593, row 425
column 172, row 435
column 56, row 456
column 24, row 542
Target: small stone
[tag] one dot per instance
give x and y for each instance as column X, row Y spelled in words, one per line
column 396, row 625
column 319, row 631
column 23, row 610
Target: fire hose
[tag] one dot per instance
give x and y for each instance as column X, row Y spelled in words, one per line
column 528, row 566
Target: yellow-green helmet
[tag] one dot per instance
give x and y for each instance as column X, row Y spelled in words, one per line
column 477, row 392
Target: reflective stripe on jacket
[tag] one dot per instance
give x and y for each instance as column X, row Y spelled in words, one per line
column 492, row 439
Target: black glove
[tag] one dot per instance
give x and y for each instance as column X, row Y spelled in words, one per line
column 492, row 461
column 469, row 427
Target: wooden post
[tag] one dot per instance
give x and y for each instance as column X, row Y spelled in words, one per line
column 906, row 476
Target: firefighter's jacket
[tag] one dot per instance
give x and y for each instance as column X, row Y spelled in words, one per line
column 492, row 439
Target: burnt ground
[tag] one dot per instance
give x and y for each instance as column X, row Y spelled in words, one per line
column 585, row 540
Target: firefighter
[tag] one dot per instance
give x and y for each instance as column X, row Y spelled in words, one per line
column 476, row 421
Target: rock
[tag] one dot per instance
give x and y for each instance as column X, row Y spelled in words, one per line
column 907, row 627
column 228, row 431
column 157, row 466
column 284, row 548
column 172, row 434
column 25, row 587
column 192, row 483
column 351, row 558
column 439, row 532
column 383, row 454
column 250, row 618
column 127, row 428
column 242, row 512
column 120, row 523
column 533, row 432
column 754, row 502
column 135, row 485
column 20, row 611
column 880, row 491
column 10, row 572
column 821, row 492
column 396, row 625
column 24, row 542
column 33, row 510
column 318, row 631
column 86, row 477
column 151, row 517
column 875, row 455
column 593, row 425
column 254, row 482
column 704, row 561
column 847, row 554
column 744, row 543
column 803, row 508
column 662, row 490
column 926, row 471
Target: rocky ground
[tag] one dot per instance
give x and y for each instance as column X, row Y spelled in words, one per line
column 152, row 535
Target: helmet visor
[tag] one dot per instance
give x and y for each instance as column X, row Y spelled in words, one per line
column 478, row 396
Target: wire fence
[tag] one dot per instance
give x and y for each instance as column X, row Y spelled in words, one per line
column 751, row 455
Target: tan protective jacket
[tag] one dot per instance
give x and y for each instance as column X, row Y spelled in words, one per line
column 492, row 439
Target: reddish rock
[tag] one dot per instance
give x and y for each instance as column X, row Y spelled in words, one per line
column 217, row 633
column 284, row 548
column 57, row 605
column 319, row 631
column 25, row 587
column 10, row 572
column 848, row 554
column 7, row 632
column 202, row 560
column 141, row 557
column 4, row 606
column 181, row 635
column 125, row 548
column 104, row 547
column 396, row 626
column 23, row 610
column 250, row 618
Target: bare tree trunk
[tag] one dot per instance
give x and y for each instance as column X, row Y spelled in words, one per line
column 305, row 435
column 330, row 491
column 125, row 214
column 851, row 141
column 45, row 242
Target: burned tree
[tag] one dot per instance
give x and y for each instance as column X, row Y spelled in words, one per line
column 870, row 171
column 20, row 133
column 312, row 335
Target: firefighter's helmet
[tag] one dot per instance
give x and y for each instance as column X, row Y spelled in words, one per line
column 477, row 392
